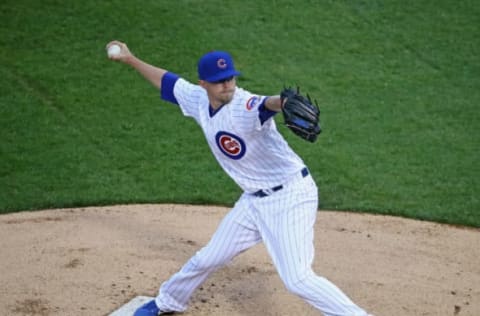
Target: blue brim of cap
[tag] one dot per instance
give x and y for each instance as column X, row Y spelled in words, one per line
column 223, row 75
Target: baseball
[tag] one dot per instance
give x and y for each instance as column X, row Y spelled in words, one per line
column 113, row 50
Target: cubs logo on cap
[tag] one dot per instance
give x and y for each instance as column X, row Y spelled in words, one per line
column 216, row 66
column 222, row 63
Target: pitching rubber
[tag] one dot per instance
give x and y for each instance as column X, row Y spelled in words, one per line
column 129, row 308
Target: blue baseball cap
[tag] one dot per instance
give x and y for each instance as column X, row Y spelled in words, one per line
column 216, row 66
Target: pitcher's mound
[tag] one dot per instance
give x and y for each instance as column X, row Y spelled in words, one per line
column 93, row 261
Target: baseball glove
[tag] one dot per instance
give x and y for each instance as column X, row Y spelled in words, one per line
column 300, row 114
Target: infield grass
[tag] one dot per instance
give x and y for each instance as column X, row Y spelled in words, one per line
column 398, row 83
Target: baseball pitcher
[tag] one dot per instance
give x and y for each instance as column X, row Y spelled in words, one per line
column 279, row 202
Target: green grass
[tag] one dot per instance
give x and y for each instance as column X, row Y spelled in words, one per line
column 398, row 83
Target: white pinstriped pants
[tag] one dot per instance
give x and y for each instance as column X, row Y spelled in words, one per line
column 284, row 222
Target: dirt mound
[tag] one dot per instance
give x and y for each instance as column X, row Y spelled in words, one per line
column 90, row 261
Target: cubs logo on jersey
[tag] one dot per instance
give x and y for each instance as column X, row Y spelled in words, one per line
column 230, row 145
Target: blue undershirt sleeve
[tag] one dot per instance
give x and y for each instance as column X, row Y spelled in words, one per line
column 263, row 113
column 168, row 83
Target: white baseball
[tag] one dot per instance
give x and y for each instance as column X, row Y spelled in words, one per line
column 113, row 50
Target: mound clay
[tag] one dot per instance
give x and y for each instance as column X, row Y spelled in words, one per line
column 90, row 261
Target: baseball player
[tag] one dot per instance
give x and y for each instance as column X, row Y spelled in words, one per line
column 279, row 204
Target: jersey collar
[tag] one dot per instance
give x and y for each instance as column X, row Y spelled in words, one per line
column 212, row 111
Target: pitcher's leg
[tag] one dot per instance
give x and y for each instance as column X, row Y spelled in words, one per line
column 288, row 232
column 234, row 235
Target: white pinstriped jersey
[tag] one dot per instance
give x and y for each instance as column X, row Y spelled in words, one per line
column 241, row 134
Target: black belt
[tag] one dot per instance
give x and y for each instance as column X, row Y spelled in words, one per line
column 267, row 192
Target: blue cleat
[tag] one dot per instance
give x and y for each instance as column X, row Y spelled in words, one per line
column 150, row 309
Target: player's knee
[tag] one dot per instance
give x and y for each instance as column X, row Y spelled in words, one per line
column 203, row 261
column 295, row 287
column 299, row 283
